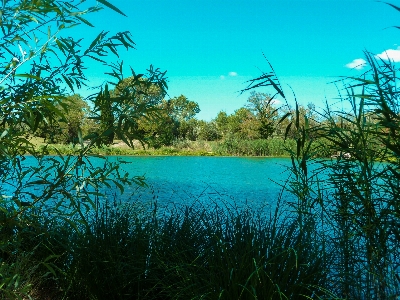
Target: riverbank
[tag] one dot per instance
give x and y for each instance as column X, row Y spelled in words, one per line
column 275, row 147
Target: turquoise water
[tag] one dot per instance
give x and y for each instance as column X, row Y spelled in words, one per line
column 181, row 179
column 185, row 180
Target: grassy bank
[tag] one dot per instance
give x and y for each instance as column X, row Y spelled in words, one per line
column 274, row 147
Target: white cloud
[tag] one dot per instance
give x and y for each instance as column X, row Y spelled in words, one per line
column 393, row 55
column 232, row 74
column 276, row 102
column 222, row 77
column 357, row 64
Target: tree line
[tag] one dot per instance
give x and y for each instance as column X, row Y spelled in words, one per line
column 160, row 122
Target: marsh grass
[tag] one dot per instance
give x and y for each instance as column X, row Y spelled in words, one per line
column 196, row 252
column 354, row 198
column 365, row 195
column 265, row 147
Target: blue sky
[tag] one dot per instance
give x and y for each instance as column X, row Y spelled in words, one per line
column 210, row 48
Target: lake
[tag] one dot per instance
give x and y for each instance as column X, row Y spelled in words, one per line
column 184, row 180
column 177, row 179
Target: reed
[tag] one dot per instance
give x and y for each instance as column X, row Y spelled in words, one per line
column 261, row 147
column 129, row 251
column 354, row 197
column 363, row 197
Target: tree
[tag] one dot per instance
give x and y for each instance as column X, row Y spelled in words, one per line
column 261, row 105
column 221, row 121
column 66, row 130
column 243, row 124
column 160, row 125
column 188, row 129
column 207, row 131
column 182, row 109
column 40, row 68
column 120, row 111
column 77, row 117
column 182, row 112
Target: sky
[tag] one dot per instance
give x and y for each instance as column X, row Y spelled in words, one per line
column 210, row 48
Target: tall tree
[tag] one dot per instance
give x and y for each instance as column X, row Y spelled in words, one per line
column 182, row 109
column 262, row 105
column 67, row 129
column 121, row 110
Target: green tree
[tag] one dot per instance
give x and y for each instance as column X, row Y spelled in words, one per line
column 262, row 106
column 182, row 109
column 120, row 112
column 67, row 129
column 162, row 125
column 222, row 123
column 243, row 124
column 41, row 66
column 158, row 127
column 207, row 131
column 188, row 129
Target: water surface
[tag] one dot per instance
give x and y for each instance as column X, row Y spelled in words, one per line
column 178, row 179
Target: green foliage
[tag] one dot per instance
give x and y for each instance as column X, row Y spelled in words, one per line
column 243, row 124
column 40, row 68
column 182, row 109
column 207, row 131
column 365, row 195
column 60, row 237
column 261, row 105
column 354, row 197
column 259, row 119
column 259, row 147
column 66, row 130
column 120, row 111
column 188, row 129
column 154, row 121
column 129, row 251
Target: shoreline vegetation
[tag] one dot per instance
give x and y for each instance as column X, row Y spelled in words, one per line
column 274, row 147
column 262, row 148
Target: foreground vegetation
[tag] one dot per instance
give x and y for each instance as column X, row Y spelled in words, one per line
column 127, row 252
column 333, row 235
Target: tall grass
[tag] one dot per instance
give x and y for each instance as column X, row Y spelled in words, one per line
column 364, row 192
column 354, row 197
column 192, row 252
column 261, row 147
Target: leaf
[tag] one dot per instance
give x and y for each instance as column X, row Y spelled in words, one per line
column 394, row 6
column 37, row 182
column 50, row 268
column 95, row 58
column 68, row 82
column 120, row 186
column 287, row 129
column 95, row 41
column 80, row 137
column 84, row 21
column 284, row 117
column 108, row 4
column 28, row 76
column 4, row 134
